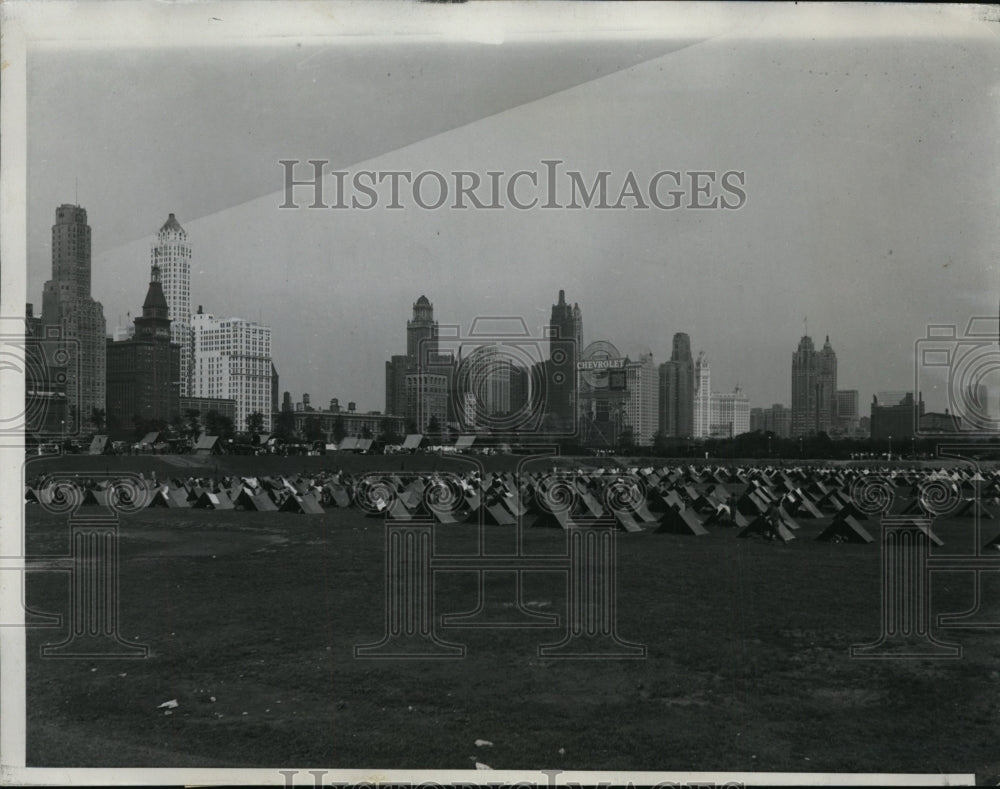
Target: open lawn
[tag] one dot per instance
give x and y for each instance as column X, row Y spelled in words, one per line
column 251, row 620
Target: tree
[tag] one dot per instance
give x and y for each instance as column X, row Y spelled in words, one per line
column 98, row 416
column 433, row 426
column 339, row 431
column 626, row 440
column 193, row 416
column 255, row 422
column 314, row 430
column 661, row 446
column 285, row 425
column 366, row 432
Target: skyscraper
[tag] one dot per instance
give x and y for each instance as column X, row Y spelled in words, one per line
column 677, row 390
column 171, row 252
column 814, row 388
column 730, row 414
column 565, row 344
column 68, row 305
column 642, row 404
column 421, row 354
column 422, row 332
column 702, row 421
column 143, row 370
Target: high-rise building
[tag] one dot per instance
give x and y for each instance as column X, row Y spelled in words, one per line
column 485, row 374
column 68, row 306
column 143, row 371
column 565, row 344
column 642, row 412
column 421, row 352
column 232, row 358
column 422, row 332
column 848, row 410
column 814, row 387
column 730, row 414
column 702, row 412
column 171, row 252
column 677, row 390
column 45, row 363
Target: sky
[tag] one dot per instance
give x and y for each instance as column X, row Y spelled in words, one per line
column 872, row 175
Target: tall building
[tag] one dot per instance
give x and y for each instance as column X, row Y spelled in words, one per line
column 814, row 387
column 171, row 252
column 421, row 351
column 422, row 332
column 45, row 363
column 143, row 371
column 68, row 306
column 848, row 414
column 485, row 374
column 677, row 390
column 730, row 414
column 702, row 411
column 565, row 344
column 426, row 401
column 642, row 411
column 232, row 359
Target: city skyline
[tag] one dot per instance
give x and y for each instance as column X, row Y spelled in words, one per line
column 823, row 234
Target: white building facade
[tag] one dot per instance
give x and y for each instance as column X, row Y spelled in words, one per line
column 642, row 408
column 730, row 414
column 172, row 253
column 232, row 359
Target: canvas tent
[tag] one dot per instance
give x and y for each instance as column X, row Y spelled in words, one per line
column 846, row 529
column 207, row 445
column 464, row 442
column 150, row 439
column 412, row 441
column 99, row 445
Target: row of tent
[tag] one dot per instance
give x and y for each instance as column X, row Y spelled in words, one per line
column 763, row 503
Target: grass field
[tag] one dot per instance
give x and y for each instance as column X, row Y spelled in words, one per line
column 251, row 620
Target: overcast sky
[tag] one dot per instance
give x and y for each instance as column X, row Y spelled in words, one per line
column 872, row 169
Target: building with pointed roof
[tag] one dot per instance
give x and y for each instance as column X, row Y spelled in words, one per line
column 171, row 253
column 814, row 388
column 143, row 372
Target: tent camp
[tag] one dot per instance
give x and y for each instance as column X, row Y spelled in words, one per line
column 149, row 440
column 99, row 445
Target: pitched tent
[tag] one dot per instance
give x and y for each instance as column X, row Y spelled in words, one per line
column 348, row 444
column 255, row 502
column 305, row 504
column 213, row 501
column 845, row 529
column 364, row 444
column 762, row 527
column 413, row 441
column 681, row 521
column 208, row 445
column 150, row 438
column 464, row 442
column 99, row 445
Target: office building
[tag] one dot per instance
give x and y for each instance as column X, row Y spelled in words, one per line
column 232, row 359
column 814, row 387
column 642, row 404
column 677, row 386
column 894, row 416
column 565, row 345
column 143, row 373
column 730, row 414
column 171, row 253
column 69, row 309
column 702, row 411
